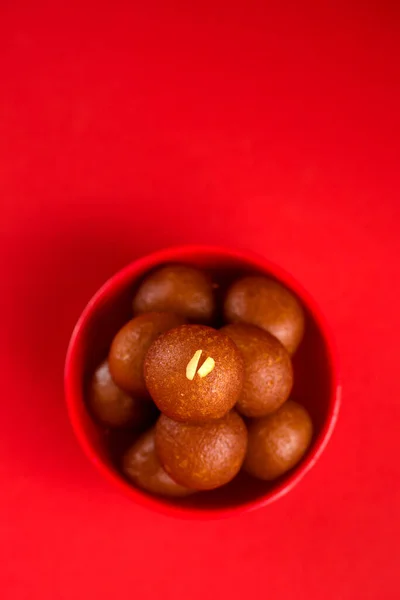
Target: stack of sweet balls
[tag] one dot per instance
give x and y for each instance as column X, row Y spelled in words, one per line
column 222, row 395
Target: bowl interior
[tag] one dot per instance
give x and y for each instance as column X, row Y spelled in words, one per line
column 315, row 385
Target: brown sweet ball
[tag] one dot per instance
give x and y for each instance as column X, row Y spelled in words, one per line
column 142, row 466
column 202, row 456
column 112, row 406
column 130, row 345
column 277, row 442
column 268, row 372
column 268, row 304
column 194, row 373
column 180, row 289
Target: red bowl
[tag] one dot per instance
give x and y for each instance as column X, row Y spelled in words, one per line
column 316, row 380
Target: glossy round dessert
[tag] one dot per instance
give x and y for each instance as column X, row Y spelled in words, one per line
column 130, row 345
column 276, row 443
column 268, row 378
column 180, row 289
column 142, row 466
column 194, row 373
column 202, row 457
column 112, row 406
column 264, row 302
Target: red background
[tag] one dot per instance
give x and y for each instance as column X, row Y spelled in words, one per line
column 125, row 128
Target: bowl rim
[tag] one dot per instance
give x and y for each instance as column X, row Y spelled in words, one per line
column 175, row 254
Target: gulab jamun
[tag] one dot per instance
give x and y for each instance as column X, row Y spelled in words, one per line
column 277, row 442
column 142, row 466
column 181, row 289
column 130, row 345
column 202, row 456
column 261, row 301
column 194, row 373
column 268, row 372
column 112, row 406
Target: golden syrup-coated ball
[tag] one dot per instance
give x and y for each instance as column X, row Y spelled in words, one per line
column 130, row 345
column 202, row 456
column 268, row 372
column 181, row 289
column 194, row 373
column 142, row 466
column 278, row 442
column 112, row 406
column 264, row 302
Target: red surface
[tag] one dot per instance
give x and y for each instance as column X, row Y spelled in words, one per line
column 316, row 371
column 127, row 128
